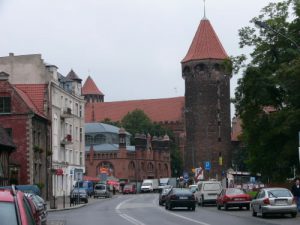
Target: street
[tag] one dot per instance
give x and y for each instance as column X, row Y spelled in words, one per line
column 143, row 209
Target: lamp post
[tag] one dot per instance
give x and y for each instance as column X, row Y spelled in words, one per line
column 264, row 25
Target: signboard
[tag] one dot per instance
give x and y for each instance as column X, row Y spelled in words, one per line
column 199, row 173
column 78, row 174
column 207, row 165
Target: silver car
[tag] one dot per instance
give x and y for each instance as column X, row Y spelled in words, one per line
column 101, row 190
column 274, row 201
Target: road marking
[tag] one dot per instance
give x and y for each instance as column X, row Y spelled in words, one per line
column 125, row 216
column 189, row 219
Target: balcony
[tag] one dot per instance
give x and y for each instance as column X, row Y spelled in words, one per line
column 67, row 113
column 67, row 140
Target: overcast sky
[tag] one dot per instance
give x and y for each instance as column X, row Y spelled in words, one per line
column 131, row 48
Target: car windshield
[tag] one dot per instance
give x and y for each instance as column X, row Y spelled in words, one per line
column 100, row 187
column 76, row 190
column 279, row 193
column 211, row 187
column 8, row 214
column 234, row 191
column 128, row 186
column 147, row 184
column 181, row 191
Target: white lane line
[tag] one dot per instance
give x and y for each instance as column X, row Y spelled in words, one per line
column 125, row 216
column 189, row 219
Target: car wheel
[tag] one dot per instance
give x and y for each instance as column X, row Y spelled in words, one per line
column 166, row 206
column 86, row 201
column 159, row 203
column 293, row 215
column 253, row 212
column 263, row 215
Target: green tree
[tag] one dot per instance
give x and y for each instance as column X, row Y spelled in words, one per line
column 267, row 97
column 138, row 122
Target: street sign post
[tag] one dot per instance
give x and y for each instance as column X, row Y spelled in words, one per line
column 207, row 165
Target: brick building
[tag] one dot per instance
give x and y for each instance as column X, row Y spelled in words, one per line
column 200, row 119
column 207, row 103
column 21, row 114
column 6, row 148
column 109, row 153
column 52, row 97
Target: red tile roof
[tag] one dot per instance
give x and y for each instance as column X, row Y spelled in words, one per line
column 205, row 45
column 33, row 95
column 90, row 88
column 158, row 110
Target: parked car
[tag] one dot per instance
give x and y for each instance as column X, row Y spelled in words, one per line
column 180, row 197
column 129, row 189
column 233, row 197
column 78, row 195
column 274, row 201
column 15, row 208
column 28, row 188
column 102, row 190
column 40, row 206
column 87, row 185
column 163, row 194
column 207, row 192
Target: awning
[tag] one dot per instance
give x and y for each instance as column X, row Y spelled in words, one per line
column 93, row 179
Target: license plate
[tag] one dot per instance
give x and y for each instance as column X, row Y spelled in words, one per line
column 239, row 199
column 183, row 197
column 281, row 202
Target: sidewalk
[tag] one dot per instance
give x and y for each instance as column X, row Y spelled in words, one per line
column 61, row 204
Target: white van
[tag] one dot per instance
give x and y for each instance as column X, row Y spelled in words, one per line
column 149, row 185
column 207, row 192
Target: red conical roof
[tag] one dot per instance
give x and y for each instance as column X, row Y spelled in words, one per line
column 205, row 45
column 90, row 88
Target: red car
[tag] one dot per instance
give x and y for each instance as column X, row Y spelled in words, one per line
column 129, row 189
column 16, row 208
column 233, row 197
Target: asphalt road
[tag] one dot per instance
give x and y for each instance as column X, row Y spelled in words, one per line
column 143, row 209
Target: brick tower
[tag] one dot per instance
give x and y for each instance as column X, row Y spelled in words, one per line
column 207, row 103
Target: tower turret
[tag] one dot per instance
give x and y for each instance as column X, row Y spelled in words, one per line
column 207, row 102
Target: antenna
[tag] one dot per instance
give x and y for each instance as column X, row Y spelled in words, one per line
column 204, row 10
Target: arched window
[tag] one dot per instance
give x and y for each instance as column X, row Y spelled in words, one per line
column 88, row 139
column 150, row 167
column 99, row 139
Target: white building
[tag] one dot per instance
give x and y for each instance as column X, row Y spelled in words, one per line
column 64, row 106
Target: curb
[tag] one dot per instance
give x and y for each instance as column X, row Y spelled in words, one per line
column 67, row 208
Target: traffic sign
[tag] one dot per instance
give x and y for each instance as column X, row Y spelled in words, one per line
column 207, row 165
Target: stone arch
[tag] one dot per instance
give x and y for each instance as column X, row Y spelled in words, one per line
column 186, row 71
column 201, row 67
column 131, row 169
column 166, row 170
column 150, row 167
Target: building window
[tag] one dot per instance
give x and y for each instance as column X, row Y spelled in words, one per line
column 100, row 139
column 80, row 134
column 9, row 132
column 80, row 111
column 5, row 104
column 88, row 139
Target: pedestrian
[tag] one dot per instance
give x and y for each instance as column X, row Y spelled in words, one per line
column 114, row 190
column 296, row 192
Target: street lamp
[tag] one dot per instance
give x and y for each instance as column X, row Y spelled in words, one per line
column 264, row 25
